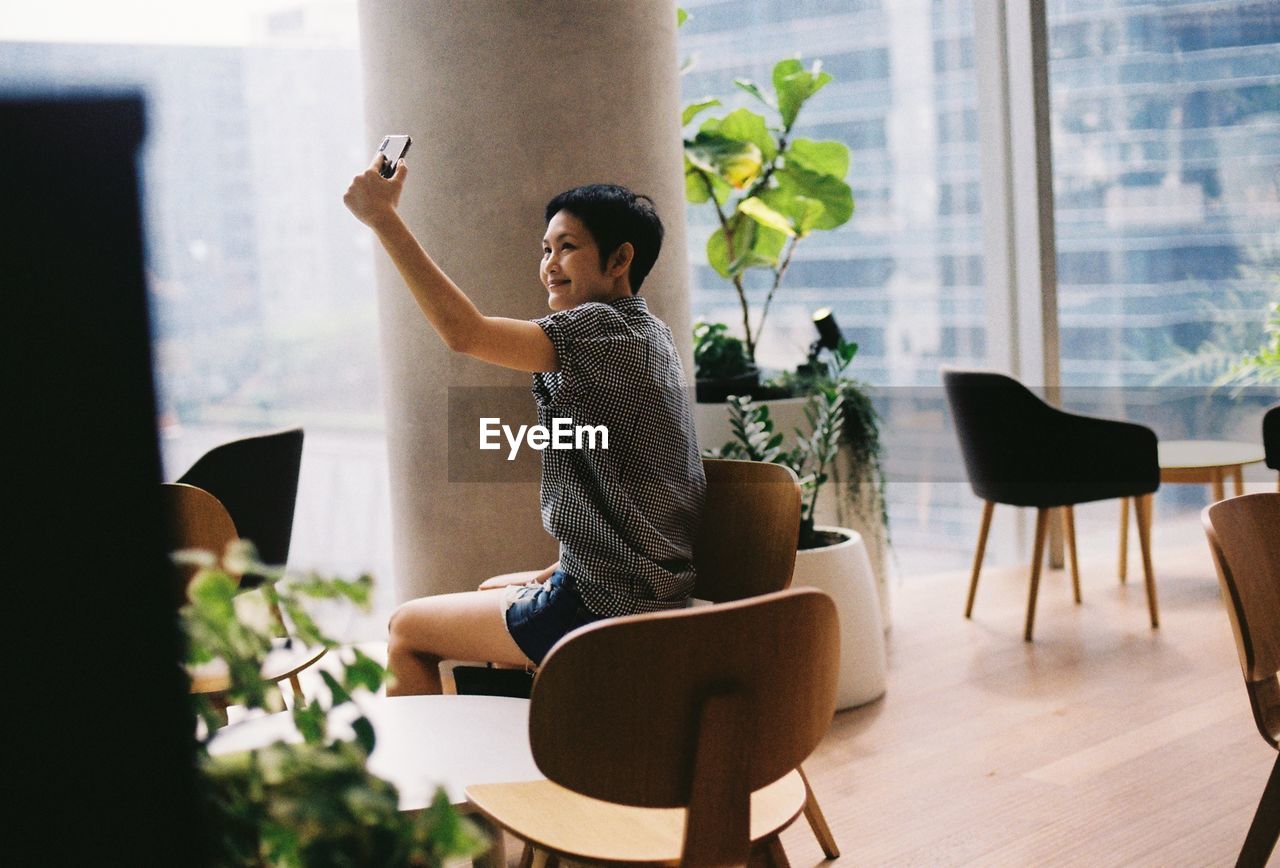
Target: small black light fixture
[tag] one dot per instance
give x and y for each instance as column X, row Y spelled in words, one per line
column 829, row 338
column 829, row 335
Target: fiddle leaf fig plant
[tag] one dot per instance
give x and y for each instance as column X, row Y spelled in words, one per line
column 314, row 803
column 768, row 189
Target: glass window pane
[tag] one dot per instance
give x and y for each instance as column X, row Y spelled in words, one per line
column 904, row 276
column 261, row 283
column 1166, row 158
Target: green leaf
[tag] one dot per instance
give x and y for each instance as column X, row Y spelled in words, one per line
column 754, row 246
column 758, row 211
column 364, row 672
column 694, row 109
column 737, row 162
column 754, row 89
column 213, row 593
column 695, row 185
column 744, row 125
column 310, row 720
column 336, row 690
column 794, row 85
column 823, row 158
column 834, row 194
column 365, row 736
column 681, row 17
column 803, row 212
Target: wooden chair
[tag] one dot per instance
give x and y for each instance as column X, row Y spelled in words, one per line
column 673, row 737
column 1244, row 536
column 1020, row 451
column 747, row 547
column 198, row 520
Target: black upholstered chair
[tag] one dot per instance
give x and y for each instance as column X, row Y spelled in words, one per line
column 1271, row 439
column 1020, row 451
column 256, row 479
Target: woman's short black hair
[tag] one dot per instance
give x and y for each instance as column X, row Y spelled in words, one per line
column 614, row 215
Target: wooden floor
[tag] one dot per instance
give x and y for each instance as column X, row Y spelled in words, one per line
column 1103, row 743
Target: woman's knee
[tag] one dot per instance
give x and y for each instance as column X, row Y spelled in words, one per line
column 405, row 627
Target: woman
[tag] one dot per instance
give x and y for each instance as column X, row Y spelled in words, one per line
column 625, row 515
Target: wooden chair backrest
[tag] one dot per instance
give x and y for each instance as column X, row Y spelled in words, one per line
column 197, row 520
column 696, row 707
column 750, row 528
column 1244, row 536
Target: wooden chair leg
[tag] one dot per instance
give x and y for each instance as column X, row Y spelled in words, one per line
column 817, row 821
column 1037, row 557
column 1124, row 539
column 1069, row 518
column 1265, row 828
column 769, row 854
column 298, row 698
column 987, row 508
column 1144, row 510
column 526, row 856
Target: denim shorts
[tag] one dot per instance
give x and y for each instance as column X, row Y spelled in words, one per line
column 538, row 615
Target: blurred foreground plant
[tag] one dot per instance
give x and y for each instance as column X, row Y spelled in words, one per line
column 314, row 803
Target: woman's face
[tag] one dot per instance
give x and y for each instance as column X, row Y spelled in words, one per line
column 570, row 267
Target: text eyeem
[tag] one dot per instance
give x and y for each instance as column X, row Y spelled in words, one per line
column 563, row 434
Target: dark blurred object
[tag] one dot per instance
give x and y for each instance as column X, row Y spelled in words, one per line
column 1020, row 451
column 492, row 680
column 256, row 479
column 101, row 759
column 1271, row 437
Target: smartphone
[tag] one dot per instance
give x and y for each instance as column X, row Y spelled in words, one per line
column 392, row 149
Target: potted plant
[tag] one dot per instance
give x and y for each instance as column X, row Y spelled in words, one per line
column 314, row 803
column 769, row 190
column 831, row 558
column 722, row 364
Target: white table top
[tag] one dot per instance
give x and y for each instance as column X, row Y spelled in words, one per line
column 422, row 742
column 1187, row 454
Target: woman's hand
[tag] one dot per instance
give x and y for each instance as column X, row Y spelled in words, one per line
column 373, row 198
column 524, row 577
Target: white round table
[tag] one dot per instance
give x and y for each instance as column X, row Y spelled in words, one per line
column 1194, row 462
column 423, row 742
column 1208, row 462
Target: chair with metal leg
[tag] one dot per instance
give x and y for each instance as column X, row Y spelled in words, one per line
column 1244, row 536
column 1019, row 450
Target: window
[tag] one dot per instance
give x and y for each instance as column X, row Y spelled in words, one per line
column 263, row 300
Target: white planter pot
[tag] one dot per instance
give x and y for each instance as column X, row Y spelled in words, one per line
column 844, row 572
column 839, row 503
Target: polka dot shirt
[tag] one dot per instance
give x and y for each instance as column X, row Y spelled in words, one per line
column 625, row 516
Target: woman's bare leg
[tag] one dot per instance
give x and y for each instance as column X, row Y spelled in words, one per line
column 466, row 626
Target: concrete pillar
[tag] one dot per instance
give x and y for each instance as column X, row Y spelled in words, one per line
column 508, row 103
